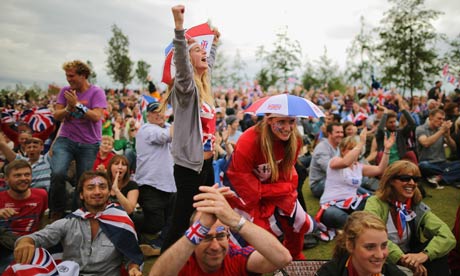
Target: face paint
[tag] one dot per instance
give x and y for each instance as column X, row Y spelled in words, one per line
column 220, row 229
column 278, row 126
column 97, row 181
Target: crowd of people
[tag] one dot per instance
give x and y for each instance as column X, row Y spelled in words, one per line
column 212, row 189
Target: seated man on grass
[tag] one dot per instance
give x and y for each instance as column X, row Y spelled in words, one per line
column 205, row 247
column 99, row 237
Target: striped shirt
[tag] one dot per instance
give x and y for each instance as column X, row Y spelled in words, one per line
column 41, row 171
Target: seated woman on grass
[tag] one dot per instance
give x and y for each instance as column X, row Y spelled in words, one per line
column 342, row 194
column 419, row 239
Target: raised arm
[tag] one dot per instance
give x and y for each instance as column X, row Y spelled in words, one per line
column 370, row 170
column 183, row 82
column 9, row 154
column 351, row 156
column 270, row 254
column 129, row 201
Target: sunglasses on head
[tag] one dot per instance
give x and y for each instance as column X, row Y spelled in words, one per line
column 407, row 178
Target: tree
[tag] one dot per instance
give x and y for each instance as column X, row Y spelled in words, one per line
column 408, row 56
column 119, row 64
column 285, row 58
column 220, row 75
column 452, row 57
column 237, row 75
column 360, row 57
column 266, row 78
column 92, row 77
column 328, row 73
column 142, row 71
column 309, row 79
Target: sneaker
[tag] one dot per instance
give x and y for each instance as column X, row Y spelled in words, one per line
column 150, row 250
column 434, row 181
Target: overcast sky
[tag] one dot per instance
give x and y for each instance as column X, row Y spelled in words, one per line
column 37, row 36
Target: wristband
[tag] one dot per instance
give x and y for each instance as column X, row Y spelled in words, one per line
column 77, row 114
column 196, row 233
column 81, row 108
column 240, row 225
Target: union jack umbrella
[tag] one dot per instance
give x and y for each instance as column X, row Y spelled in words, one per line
column 285, row 104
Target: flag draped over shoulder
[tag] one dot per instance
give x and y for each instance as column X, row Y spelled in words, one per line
column 202, row 34
column 119, row 228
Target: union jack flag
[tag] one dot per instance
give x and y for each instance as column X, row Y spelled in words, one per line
column 41, row 264
column 10, row 115
column 38, row 119
column 119, row 228
column 144, row 100
column 196, row 232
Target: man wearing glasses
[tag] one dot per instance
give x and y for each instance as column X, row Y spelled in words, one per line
column 206, row 248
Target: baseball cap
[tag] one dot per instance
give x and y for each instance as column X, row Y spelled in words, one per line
column 152, row 107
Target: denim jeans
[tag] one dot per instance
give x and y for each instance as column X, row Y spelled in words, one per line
column 334, row 217
column 317, row 188
column 64, row 151
column 130, row 154
column 449, row 171
column 218, row 166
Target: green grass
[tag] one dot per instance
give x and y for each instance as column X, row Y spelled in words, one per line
column 443, row 203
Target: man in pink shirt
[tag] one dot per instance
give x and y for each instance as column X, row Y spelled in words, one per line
column 80, row 107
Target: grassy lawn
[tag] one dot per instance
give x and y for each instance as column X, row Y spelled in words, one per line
column 443, row 203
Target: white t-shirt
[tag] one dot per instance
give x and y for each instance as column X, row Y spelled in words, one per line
column 342, row 183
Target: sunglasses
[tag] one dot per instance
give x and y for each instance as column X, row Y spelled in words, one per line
column 222, row 236
column 407, row 178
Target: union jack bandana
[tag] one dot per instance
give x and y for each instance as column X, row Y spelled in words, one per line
column 196, row 232
column 403, row 215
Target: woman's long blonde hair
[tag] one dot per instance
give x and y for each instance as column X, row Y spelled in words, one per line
column 290, row 150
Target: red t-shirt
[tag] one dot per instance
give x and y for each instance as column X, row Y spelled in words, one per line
column 234, row 263
column 30, row 211
column 104, row 161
